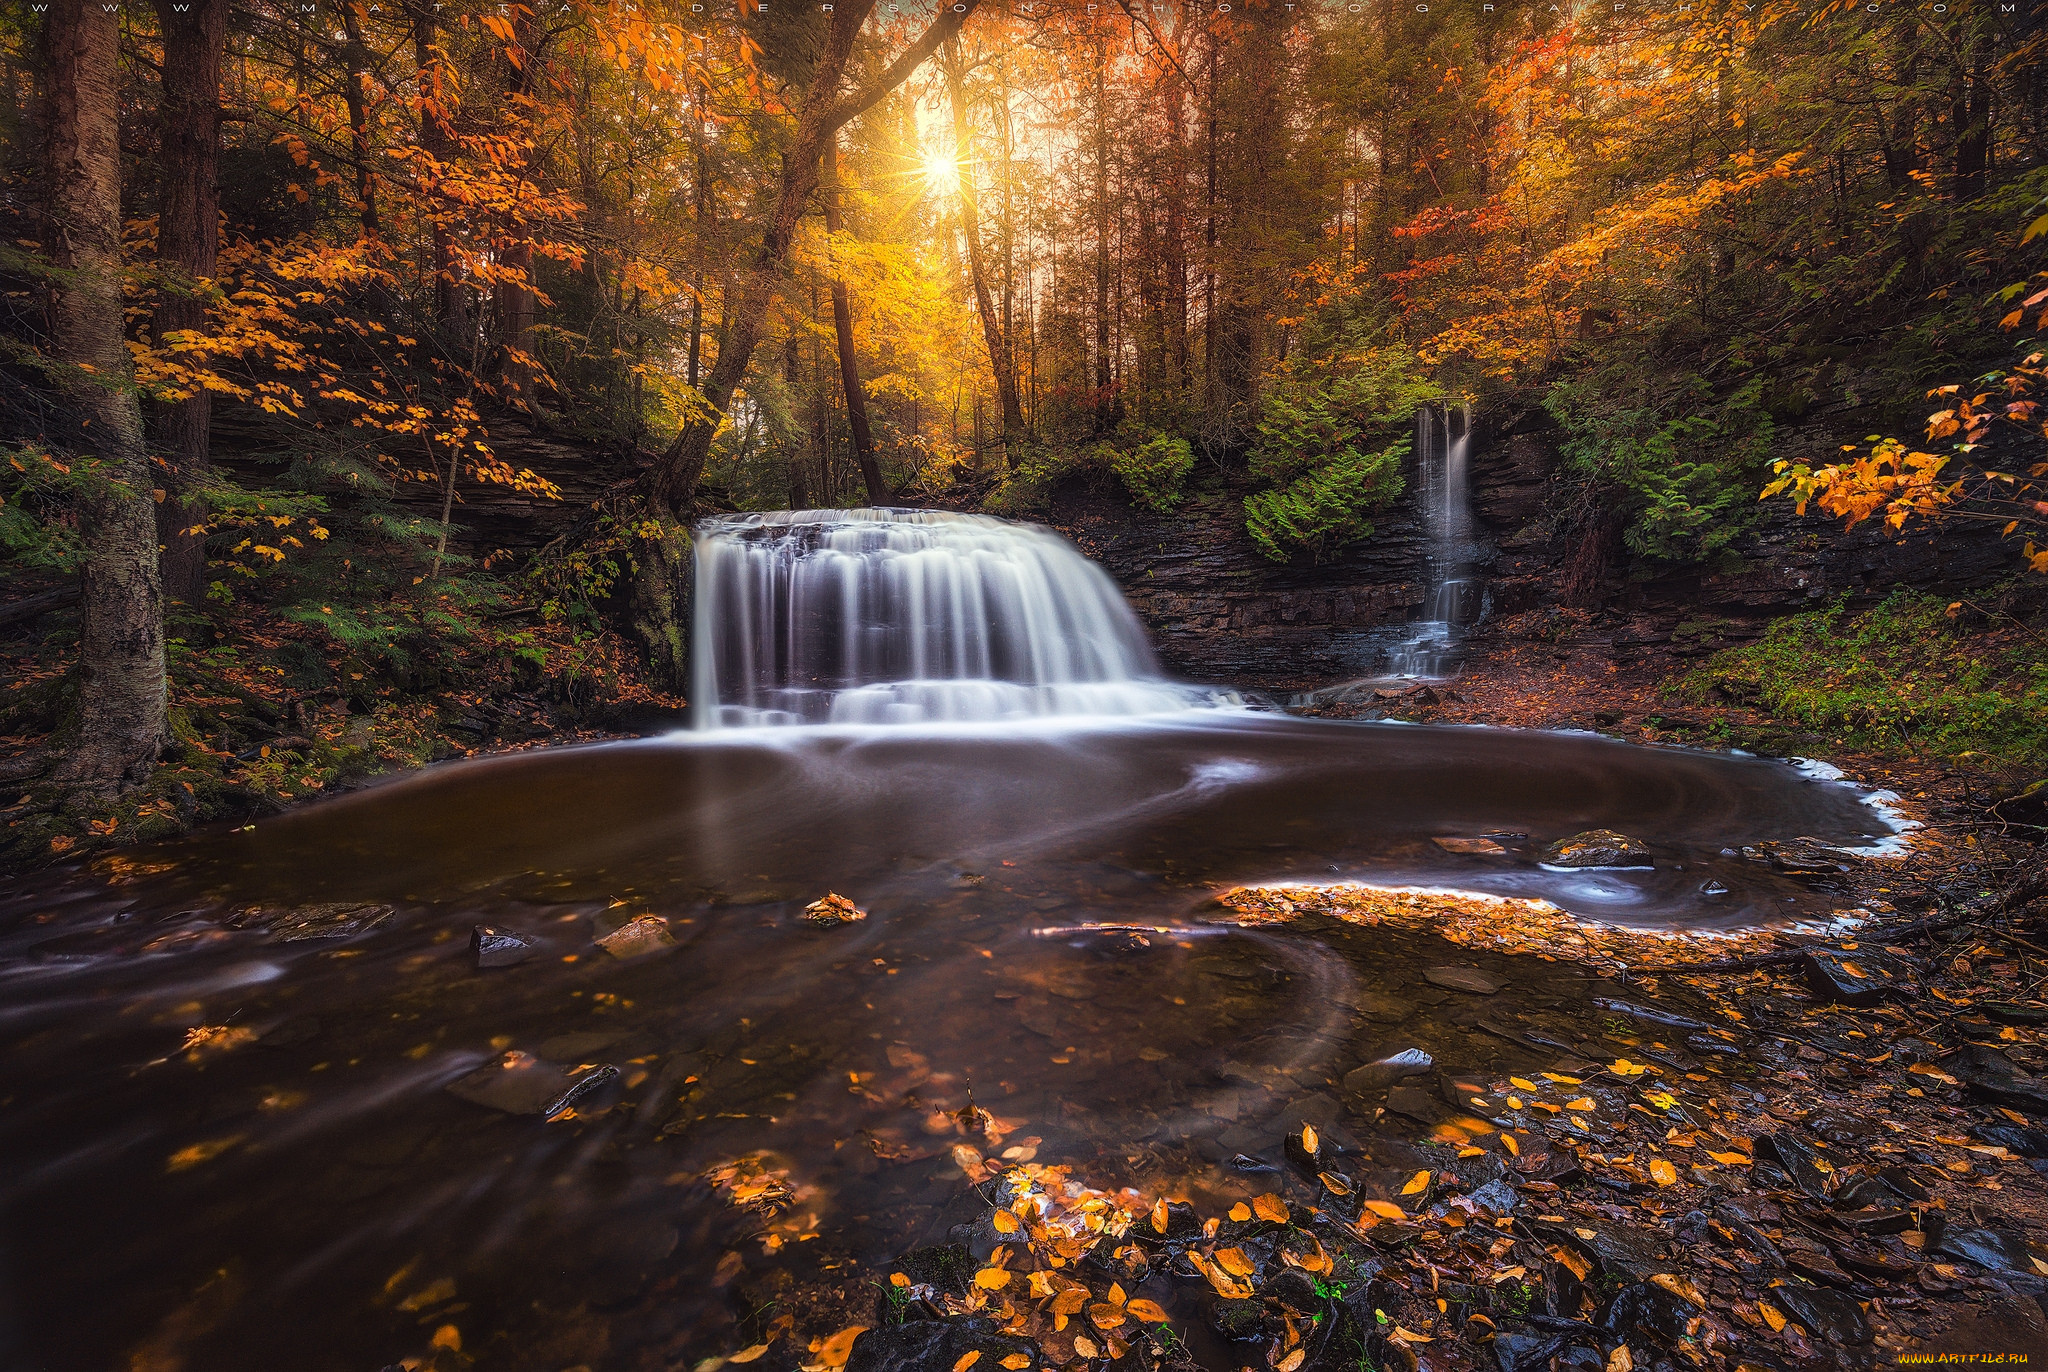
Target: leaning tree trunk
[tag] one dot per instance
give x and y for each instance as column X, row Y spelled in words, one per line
column 672, row 481
column 187, row 246
column 121, row 648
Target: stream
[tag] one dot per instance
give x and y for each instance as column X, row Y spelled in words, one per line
column 307, row 1184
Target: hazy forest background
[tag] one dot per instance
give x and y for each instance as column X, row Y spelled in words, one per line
column 443, row 320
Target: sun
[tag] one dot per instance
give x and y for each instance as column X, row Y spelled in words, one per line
column 941, row 173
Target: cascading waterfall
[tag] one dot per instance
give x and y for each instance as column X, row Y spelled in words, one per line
column 910, row 616
column 1443, row 443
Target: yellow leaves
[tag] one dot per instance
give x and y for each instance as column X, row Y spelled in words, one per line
column 1308, row 1139
column 1663, row 1172
column 1016, row 1361
column 208, row 1040
column 1240, row 1212
column 1234, row 1261
column 1561, row 1079
column 1006, row 1222
column 1159, row 1216
column 1334, row 1184
column 1086, row 1346
column 1928, row 1069
column 1522, row 1083
column 1730, row 1159
column 1271, row 1208
column 1583, row 1103
column 968, row 1159
column 1386, row 1210
column 1291, row 1361
column 748, row 1354
column 1772, row 1316
column 967, row 1360
column 834, row 1352
column 1417, row 1183
column 992, row 1279
column 1679, row 1287
column 1507, row 1141
column 1227, row 1285
column 1622, row 1067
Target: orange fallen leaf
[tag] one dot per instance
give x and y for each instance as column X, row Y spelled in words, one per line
column 1149, row 1311
column 1663, row 1171
column 749, row 1353
column 1017, row 1361
column 1291, row 1361
column 1085, row 1346
column 1730, row 1159
column 967, row 1360
column 1240, row 1212
column 1386, row 1210
column 837, row 1349
column 1507, row 1141
column 1771, row 1316
column 1418, row 1182
column 1271, row 1207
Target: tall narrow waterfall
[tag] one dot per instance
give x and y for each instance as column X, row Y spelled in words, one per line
column 909, row 616
column 1443, row 443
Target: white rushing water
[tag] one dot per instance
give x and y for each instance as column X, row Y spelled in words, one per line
column 1443, row 445
column 910, row 617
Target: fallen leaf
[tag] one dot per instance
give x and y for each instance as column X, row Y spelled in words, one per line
column 1572, row 1259
column 1007, row 1223
column 1582, row 1103
column 1418, row 1182
column 1085, row 1346
column 1523, row 1082
column 1240, row 1212
column 1663, row 1171
column 748, row 1354
column 1507, row 1141
column 1928, row 1069
column 1159, row 1216
column 1386, row 1210
column 1308, row 1138
column 1622, row 1067
column 1409, row 1336
column 1291, row 1361
column 1105, row 1315
column 1016, row 1361
column 1730, row 1159
column 1771, row 1316
column 967, row 1360
column 1271, row 1207
column 1680, row 1287
column 1149, row 1311
column 1621, row 1360
column 992, row 1279
column 448, row 1337
column 1335, row 1184
column 1234, row 1261
column 839, row 1347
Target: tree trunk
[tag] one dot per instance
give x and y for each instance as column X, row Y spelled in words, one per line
column 1104, row 408
column 187, row 248
column 121, row 644
column 672, row 481
column 994, row 328
column 516, row 297
column 842, row 328
column 438, row 142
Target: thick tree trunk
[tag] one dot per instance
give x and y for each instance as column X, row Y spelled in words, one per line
column 849, row 365
column 121, row 647
column 672, row 481
column 188, row 248
column 994, row 328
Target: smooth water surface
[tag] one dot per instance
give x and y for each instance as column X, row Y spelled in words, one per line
column 314, row 1198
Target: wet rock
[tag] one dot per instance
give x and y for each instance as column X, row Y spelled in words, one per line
column 2021, row 1142
column 1497, row 1197
column 581, row 1089
column 1884, row 1221
column 946, row 1268
column 1650, row 1014
column 1293, row 1288
column 1824, row 1314
column 1238, row 1321
column 296, row 1030
column 498, row 948
column 1865, row 1192
column 1645, row 1313
column 1805, row 857
column 1412, row 1102
column 2011, row 1012
column 832, row 909
column 1597, row 848
column 570, row 1047
column 1797, row 1160
column 925, row 1344
column 299, row 923
column 1817, row 1268
column 1714, row 890
column 518, row 1084
column 1879, row 1266
column 1990, row 1075
column 1855, row 977
column 637, row 938
column 1522, row 1352
column 1626, row 1254
column 1382, row 1008
column 1479, row 846
column 1468, row 979
column 1375, row 1077
column 1989, row 1248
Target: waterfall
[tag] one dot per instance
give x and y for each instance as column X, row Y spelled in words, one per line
column 910, row 616
column 1443, row 444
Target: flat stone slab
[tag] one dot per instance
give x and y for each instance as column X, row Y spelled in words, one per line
column 1469, row 979
column 1482, row 846
column 637, row 938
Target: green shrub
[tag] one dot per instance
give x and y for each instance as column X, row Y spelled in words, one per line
column 1325, row 509
column 1154, row 472
column 1903, row 673
column 1027, row 488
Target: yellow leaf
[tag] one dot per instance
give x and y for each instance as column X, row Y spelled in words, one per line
column 1522, row 1082
column 967, row 1360
column 1271, row 1207
column 992, row 1278
column 748, row 1354
column 1240, row 1212
column 1561, row 1079
column 1663, row 1171
column 1771, row 1316
column 1622, row 1067
column 1070, row 1301
column 839, row 1347
column 1334, row 1184
column 1386, row 1210
column 1928, row 1069
column 1233, row 1261
column 1730, row 1159
column 1410, row 1336
column 1680, row 1287
column 1418, row 1182
column 1106, row 1316
column 1622, row 1361
column 898, row 1279
column 1291, row 1361
column 1582, row 1103
column 1016, row 1361
column 1573, row 1259
column 1308, row 1138
column 1085, row 1346
column 1007, row 1223
column 1148, row 1311
column 1507, row 1141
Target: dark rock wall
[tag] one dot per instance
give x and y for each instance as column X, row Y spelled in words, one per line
column 1220, row 611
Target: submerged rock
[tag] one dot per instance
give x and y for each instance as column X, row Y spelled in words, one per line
column 1483, row 846
column 1374, row 1077
column 330, row 919
column 636, row 938
column 928, row 1344
column 1597, row 848
column 497, row 948
column 518, row 1084
column 1469, row 979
